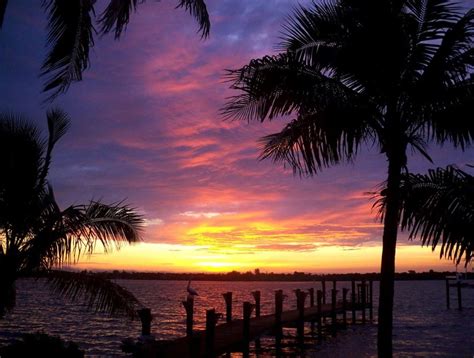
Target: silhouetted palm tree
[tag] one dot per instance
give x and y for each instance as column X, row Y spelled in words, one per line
column 36, row 236
column 438, row 208
column 71, row 34
column 388, row 73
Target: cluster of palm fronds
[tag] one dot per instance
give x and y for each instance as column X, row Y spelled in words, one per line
column 36, row 235
column 438, row 209
column 72, row 31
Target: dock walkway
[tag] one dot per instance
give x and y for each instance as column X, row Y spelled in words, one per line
column 236, row 334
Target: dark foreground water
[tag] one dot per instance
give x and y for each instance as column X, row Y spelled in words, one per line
column 422, row 327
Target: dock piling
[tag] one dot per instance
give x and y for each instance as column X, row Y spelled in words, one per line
column 353, row 301
column 344, row 306
column 311, row 297
column 363, row 297
column 319, row 300
column 371, row 300
column 189, row 307
column 278, row 308
column 458, row 286
column 333, row 310
column 323, row 285
column 228, row 306
column 300, row 299
column 145, row 317
column 246, row 324
column 256, row 296
column 211, row 320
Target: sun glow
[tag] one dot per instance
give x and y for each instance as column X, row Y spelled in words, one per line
column 195, row 258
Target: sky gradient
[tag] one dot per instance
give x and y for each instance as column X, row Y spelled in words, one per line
column 146, row 128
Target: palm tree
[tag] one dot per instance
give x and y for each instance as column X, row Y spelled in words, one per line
column 36, row 236
column 438, row 208
column 71, row 34
column 390, row 74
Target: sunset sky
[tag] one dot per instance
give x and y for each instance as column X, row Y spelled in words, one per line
column 146, row 128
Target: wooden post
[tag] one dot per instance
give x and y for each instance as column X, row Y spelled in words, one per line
column 311, row 304
column 256, row 296
column 278, row 308
column 323, row 284
column 246, row 324
column 371, row 300
column 363, row 297
column 458, row 284
column 311, row 297
column 145, row 317
column 297, row 294
column 189, row 307
column 300, row 298
column 211, row 320
column 353, row 301
column 319, row 300
column 344, row 306
column 334, row 284
column 333, row 310
column 228, row 306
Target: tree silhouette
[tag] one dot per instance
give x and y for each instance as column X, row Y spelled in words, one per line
column 36, row 236
column 71, row 34
column 390, row 74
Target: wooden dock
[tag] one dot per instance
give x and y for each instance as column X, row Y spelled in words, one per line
column 236, row 334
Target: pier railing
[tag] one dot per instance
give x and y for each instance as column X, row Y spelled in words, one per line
column 236, row 334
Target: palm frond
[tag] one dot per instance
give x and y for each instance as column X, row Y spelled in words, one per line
column 437, row 208
column 315, row 34
column 116, row 16
column 276, row 86
column 65, row 236
column 198, row 9
column 71, row 37
column 328, row 136
column 98, row 293
column 3, row 9
column 454, row 58
column 58, row 124
column 112, row 224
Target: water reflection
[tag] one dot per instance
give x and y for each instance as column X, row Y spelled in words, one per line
column 422, row 324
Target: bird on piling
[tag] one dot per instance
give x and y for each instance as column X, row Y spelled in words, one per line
column 191, row 291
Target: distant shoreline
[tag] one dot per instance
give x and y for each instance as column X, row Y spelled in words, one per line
column 270, row 277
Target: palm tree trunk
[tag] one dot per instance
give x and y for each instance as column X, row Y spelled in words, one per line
column 391, row 218
column 7, row 292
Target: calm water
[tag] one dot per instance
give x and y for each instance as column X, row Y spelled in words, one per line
column 422, row 327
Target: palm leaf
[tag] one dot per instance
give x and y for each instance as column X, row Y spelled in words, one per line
column 96, row 292
column 197, row 9
column 3, row 8
column 65, row 236
column 58, row 124
column 320, row 139
column 116, row 15
column 437, row 208
column 71, row 37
